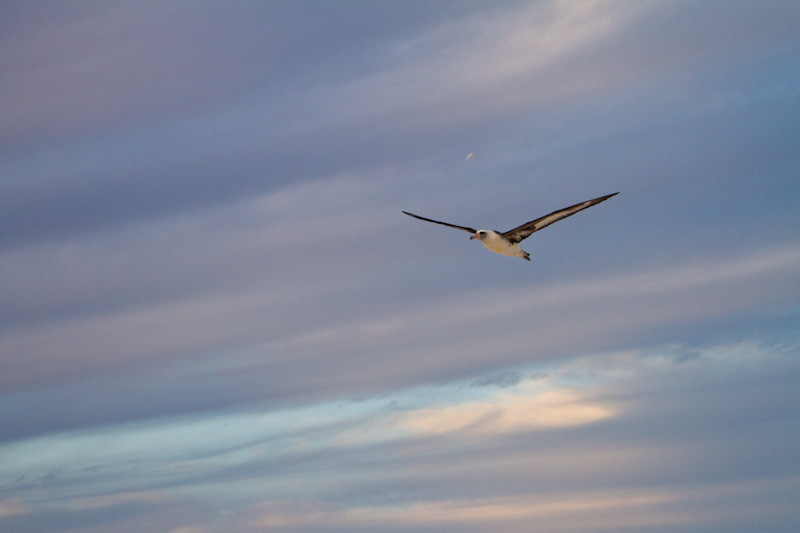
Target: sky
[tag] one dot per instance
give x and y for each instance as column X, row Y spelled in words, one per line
column 214, row 316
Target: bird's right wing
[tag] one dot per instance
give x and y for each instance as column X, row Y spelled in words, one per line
column 524, row 231
column 462, row 228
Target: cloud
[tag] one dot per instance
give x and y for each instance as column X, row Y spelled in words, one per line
column 507, row 412
column 607, row 440
column 575, row 511
column 13, row 507
column 177, row 120
column 205, row 343
column 499, row 511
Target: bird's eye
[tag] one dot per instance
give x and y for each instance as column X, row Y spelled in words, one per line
column 481, row 232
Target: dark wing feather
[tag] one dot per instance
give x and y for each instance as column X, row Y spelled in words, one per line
column 524, row 231
column 462, row 228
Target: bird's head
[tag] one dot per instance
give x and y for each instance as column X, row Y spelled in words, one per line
column 480, row 235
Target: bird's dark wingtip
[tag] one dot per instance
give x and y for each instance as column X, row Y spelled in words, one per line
column 606, row 197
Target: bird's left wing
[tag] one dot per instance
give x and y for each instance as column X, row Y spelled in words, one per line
column 524, row 231
column 462, row 228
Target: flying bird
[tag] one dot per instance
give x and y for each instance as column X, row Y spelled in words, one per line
column 469, row 155
column 508, row 243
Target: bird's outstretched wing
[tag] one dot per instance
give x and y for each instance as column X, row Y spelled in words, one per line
column 462, row 228
column 524, row 231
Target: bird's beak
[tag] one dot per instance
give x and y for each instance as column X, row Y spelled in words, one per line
column 474, row 237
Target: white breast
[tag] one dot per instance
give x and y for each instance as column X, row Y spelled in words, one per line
column 496, row 243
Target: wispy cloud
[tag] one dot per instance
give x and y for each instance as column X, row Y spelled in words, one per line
column 508, row 413
column 574, row 423
column 466, row 331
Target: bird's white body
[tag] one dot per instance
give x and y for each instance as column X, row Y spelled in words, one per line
column 500, row 245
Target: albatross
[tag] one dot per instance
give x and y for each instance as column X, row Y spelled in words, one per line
column 508, row 243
